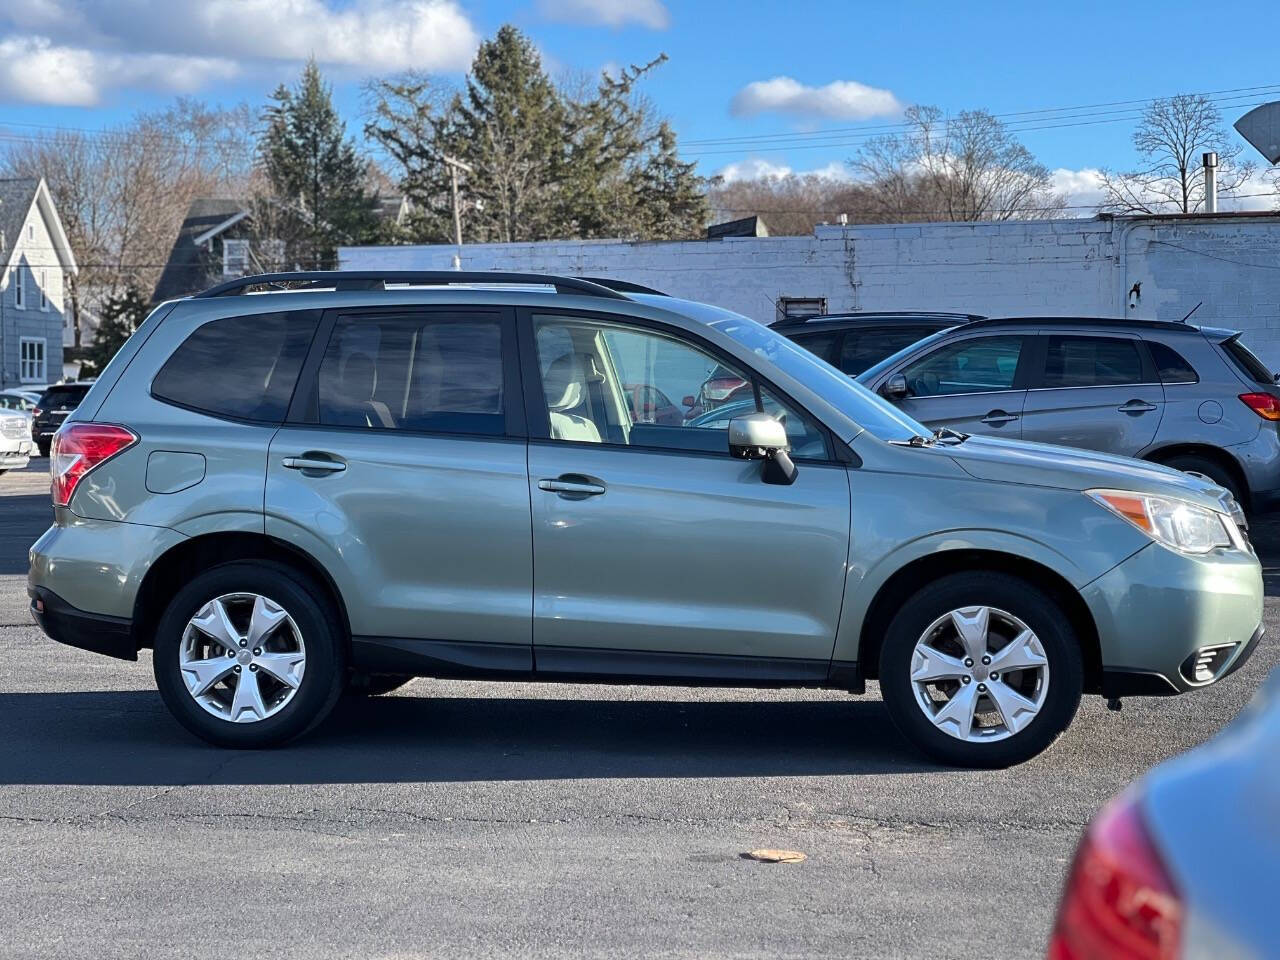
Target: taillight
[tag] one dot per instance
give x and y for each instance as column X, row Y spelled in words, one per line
column 35, row 412
column 1119, row 901
column 79, row 448
column 1263, row 404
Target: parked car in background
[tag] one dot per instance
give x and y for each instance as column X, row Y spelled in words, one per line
column 1183, row 864
column 852, row 342
column 15, row 439
column 648, row 404
column 362, row 495
column 22, row 400
column 1192, row 398
column 54, row 406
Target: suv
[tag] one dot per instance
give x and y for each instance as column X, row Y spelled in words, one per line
column 381, row 476
column 1192, row 398
column 854, row 341
column 53, row 407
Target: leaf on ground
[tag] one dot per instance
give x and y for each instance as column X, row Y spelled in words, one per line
column 776, row 856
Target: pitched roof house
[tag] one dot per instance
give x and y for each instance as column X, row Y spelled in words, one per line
column 35, row 261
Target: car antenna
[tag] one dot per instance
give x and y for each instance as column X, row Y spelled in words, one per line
column 1193, row 310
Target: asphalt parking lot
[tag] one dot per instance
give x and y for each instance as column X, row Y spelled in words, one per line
column 498, row 820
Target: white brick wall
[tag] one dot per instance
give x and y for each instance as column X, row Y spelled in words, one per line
column 1020, row 268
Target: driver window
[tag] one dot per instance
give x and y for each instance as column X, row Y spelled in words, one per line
column 976, row 365
column 607, row 383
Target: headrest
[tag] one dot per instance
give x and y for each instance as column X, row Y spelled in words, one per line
column 564, row 383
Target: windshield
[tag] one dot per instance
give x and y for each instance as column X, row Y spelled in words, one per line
column 871, row 373
column 871, row 412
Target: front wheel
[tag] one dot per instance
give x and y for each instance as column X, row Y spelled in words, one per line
column 248, row 655
column 981, row 670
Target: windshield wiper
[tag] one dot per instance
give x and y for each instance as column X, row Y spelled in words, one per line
column 946, row 433
column 916, row 441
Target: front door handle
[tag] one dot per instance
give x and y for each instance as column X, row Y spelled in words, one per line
column 1137, row 406
column 573, row 486
column 997, row 417
column 311, row 463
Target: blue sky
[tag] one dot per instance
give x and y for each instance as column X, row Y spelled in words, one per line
column 751, row 68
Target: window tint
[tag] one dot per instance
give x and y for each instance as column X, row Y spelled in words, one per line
column 820, row 344
column 1247, row 361
column 1171, row 365
column 977, row 365
column 1092, row 362
column 862, row 348
column 607, row 383
column 242, row 367
column 58, row 397
column 432, row 373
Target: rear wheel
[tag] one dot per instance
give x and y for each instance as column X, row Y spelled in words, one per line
column 44, row 446
column 248, row 655
column 981, row 670
column 376, row 684
column 1210, row 469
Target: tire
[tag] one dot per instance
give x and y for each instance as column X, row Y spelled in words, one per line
column 44, row 446
column 1054, row 688
column 303, row 621
column 376, row 684
column 1189, row 463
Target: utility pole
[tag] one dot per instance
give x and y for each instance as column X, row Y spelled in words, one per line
column 454, row 166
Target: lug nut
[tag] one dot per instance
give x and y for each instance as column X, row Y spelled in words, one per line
column 966, row 679
column 257, row 651
column 982, row 688
column 986, row 660
column 236, row 668
column 231, row 653
column 244, row 643
column 253, row 668
column 995, row 676
column 968, row 661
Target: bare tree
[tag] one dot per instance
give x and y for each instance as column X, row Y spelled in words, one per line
column 122, row 192
column 1171, row 138
column 966, row 167
column 792, row 205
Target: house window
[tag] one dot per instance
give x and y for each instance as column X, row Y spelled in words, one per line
column 235, row 258
column 32, row 360
column 44, row 286
column 19, row 288
column 798, row 308
column 31, row 231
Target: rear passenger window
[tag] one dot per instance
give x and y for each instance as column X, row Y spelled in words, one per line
column 1092, row 362
column 1170, row 364
column 865, row 348
column 436, row 374
column 819, row 344
column 239, row 367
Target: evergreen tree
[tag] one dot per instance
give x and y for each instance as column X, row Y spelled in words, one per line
column 672, row 198
column 314, row 170
column 121, row 315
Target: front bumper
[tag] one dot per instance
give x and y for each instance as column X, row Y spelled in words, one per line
column 16, row 456
column 95, row 632
column 1169, row 623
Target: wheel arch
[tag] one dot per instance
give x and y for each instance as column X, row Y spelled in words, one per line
column 1206, row 451
column 925, row 569
column 177, row 565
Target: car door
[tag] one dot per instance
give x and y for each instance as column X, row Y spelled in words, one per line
column 1098, row 392
column 974, row 384
column 402, row 468
column 656, row 554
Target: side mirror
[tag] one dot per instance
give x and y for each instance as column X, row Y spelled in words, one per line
column 895, row 388
column 759, row 436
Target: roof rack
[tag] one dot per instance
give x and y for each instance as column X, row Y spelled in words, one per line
column 1091, row 322
column 623, row 286
column 880, row 314
column 378, row 280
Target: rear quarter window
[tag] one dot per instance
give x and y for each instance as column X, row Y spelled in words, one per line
column 244, row 367
column 1170, row 364
column 1247, row 362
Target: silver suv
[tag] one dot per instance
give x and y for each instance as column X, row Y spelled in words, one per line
column 370, row 477
column 1193, row 398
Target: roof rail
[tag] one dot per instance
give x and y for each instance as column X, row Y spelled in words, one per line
column 378, row 280
column 623, row 286
column 880, row 314
column 1090, row 322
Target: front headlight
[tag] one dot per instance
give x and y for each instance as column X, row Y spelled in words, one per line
column 1184, row 526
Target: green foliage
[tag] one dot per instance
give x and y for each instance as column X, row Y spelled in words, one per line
column 544, row 164
column 121, row 315
column 316, row 175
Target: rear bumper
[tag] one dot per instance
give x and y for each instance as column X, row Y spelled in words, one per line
column 96, row 632
column 1169, row 623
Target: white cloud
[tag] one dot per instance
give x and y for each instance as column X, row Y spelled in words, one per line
column 34, row 70
column 71, row 51
column 607, row 13
column 839, row 100
column 754, row 168
column 1082, row 188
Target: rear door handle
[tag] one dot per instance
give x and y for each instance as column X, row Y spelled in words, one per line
column 997, row 417
column 1137, row 406
column 311, row 463
column 575, row 488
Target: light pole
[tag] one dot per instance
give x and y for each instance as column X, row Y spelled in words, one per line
column 454, row 166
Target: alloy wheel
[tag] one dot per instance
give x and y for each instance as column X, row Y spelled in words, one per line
column 242, row 657
column 980, row 674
